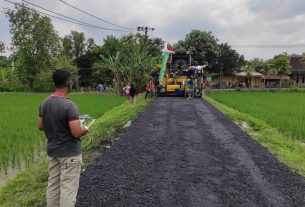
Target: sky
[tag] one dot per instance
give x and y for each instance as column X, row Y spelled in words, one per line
column 254, row 28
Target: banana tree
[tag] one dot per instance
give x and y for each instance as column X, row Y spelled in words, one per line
column 114, row 64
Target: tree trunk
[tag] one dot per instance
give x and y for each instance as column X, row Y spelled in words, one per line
column 248, row 82
column 77, row 83
column 31, row 84
column 116, row 84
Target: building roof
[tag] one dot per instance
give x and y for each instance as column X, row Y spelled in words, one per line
column 211, row 75
column 253, row 74
column 275, row 77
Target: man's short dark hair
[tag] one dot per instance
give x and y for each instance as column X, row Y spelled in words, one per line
column 60, row 78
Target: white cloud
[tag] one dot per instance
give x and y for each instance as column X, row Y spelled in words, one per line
column 239, row 22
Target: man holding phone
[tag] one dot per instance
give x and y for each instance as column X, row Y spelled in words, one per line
column 59, row 119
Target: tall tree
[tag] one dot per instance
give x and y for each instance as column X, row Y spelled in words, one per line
column 74, row 45
column 111, row 46
column 281, row 64
column 35, row 43
column 202, row 46
column 67, row 46
column 229, row 59
column 155, row 46
column 259, row 65
column 81, row 51
column 249, row 69
column 78, row 44
column 90, row 44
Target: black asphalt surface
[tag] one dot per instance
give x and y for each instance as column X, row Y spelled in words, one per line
column 183, row 152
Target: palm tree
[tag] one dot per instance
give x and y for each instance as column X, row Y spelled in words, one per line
column 249, row 70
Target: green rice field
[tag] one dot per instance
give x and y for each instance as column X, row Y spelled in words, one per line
column 282, row 110
column 20, row 139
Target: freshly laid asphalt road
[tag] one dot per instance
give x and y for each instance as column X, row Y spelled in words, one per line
column 183, row 152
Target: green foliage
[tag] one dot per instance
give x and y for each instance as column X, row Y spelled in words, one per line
column 111, row 46
column 90, row 44
column 66, row 63
column 2, row 47
column 203, row 46
column 281, row 110
column 281, row 64
column 258, row 64
column 75, row 46
column 229, row 59
column 7, row 73
column 35, row 43
column 38, row 50
column 278, row 65
column 154, row 47
column 125, row 60
column 83, row 53
column 11, row 87
column 78, row 44
column 289, row 151
column 44, row 82
column 67, row 46
column 249, row 69
column 28, row 188
column 20, row 138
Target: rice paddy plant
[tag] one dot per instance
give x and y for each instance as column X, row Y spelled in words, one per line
column 282, row 110
column 20, row 139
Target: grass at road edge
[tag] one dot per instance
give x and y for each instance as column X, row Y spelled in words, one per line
column 290, row 152
column 28, row 188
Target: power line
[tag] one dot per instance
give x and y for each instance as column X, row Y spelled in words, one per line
column 53, row 15
column 95, row 16
column 270, row 46
column 74, row 20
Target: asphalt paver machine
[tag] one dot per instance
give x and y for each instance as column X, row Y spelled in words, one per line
column 176, row 73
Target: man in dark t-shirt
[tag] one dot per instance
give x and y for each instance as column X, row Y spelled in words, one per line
column 59, row 119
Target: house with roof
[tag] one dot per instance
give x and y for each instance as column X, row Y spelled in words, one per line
column 235, row 79
column 259, row 79
column 240, row 79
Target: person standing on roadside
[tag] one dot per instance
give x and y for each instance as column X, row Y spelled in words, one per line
column 190, row 88
column 207, row 88
column 133, row 93
column 59, row 119
column 149, row 89
column 126, row 89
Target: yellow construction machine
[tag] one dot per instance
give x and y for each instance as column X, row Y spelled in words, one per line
column 178, row 76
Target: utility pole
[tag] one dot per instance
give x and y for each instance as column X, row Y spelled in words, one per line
column 145, row 29
column 144, row 51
